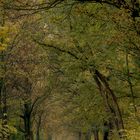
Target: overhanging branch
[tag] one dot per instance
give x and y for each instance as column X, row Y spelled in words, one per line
column 44, row 45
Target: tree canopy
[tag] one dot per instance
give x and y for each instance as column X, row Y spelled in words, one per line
column 69, row 69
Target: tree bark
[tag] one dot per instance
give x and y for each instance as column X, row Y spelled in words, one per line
column 27, row 122
column 96, row 135
column 109, row 99
column 38, row 126
column 115, row 106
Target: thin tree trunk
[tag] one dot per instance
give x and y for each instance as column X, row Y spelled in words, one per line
column 88, row 136
column 106, row 134
column 115, row 105
column 130, row 83
column 96, row 135
column 106, row 131
column 79, row 135
column 110, row 100
column 27, row 122
column 38, row 134
column 38, row 127
column 108, row 107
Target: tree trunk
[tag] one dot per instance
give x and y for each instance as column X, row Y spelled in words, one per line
column 79, row 135
column 88, row 135
column 96, row 135
column 110, row 100
column 115, row 106
column 106, row 134
column 38, row 126
column 27, row 122
column 106, row 131
column 28, row 132
column 38, row 134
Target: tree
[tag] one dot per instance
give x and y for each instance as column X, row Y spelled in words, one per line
column 92, row 50
column 76, row 49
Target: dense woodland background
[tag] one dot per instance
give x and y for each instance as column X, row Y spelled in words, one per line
column 69, row 67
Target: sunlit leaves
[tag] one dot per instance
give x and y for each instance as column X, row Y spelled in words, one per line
column 3, row 37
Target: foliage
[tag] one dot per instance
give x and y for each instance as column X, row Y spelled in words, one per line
column 73, row 63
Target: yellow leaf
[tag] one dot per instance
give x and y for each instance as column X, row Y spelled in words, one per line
column 2, row 48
